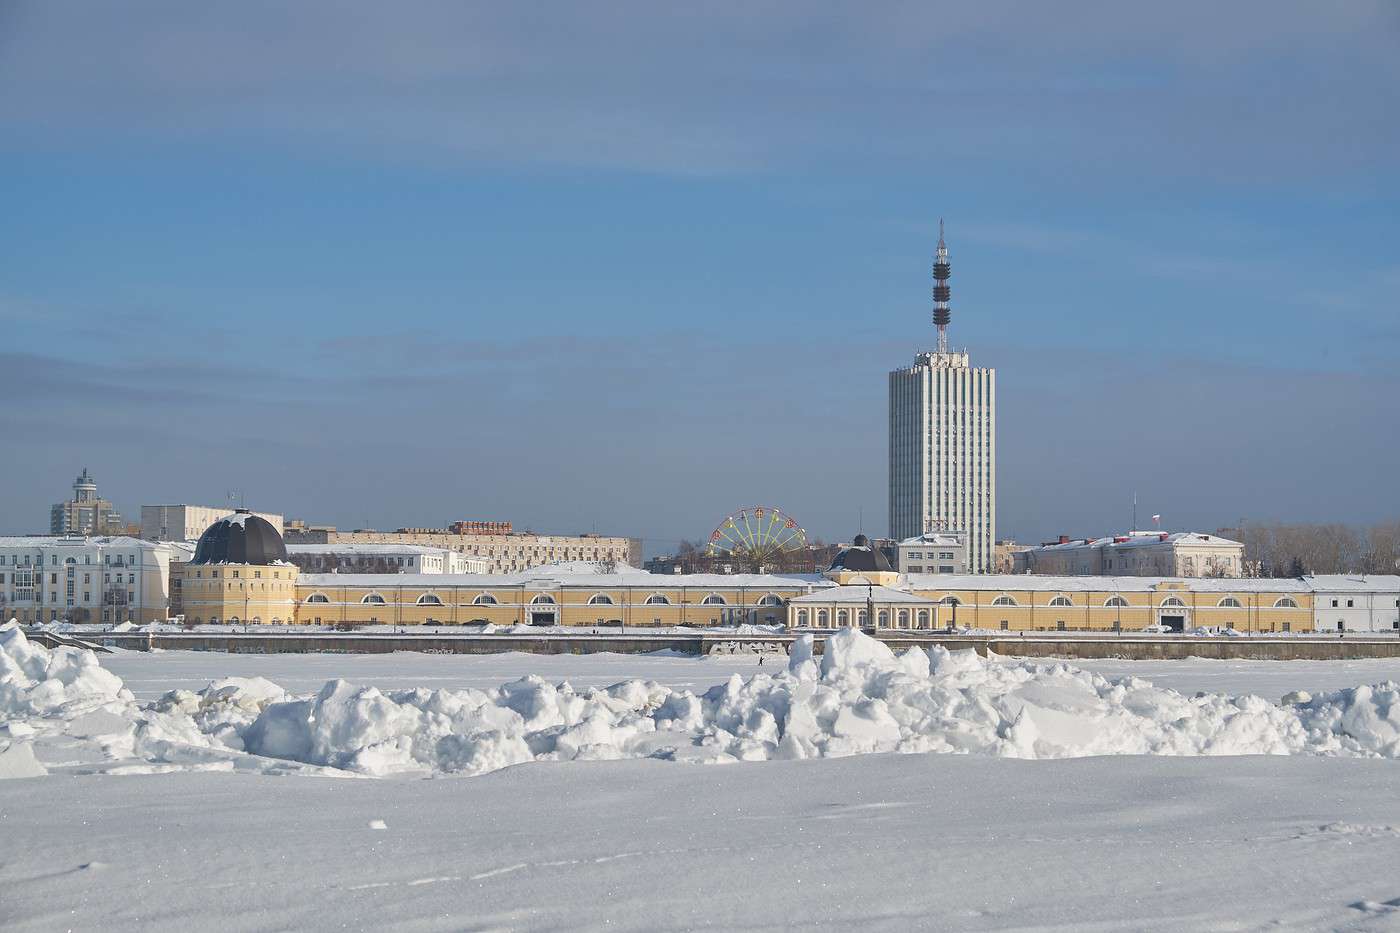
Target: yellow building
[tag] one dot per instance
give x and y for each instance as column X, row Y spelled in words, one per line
column 543, row 597
column 239, row 573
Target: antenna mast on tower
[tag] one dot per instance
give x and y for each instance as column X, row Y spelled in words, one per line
column 942, row 314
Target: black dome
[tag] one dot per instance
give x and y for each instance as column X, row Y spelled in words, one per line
column 240, row 538
column 861, row 557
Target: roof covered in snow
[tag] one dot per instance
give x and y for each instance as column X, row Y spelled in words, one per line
column 367, row 549
column 1135, row 539
column 935, row 538
column 1354, row 583
column 1027, row 581
column 37, row 541
column 543, row 577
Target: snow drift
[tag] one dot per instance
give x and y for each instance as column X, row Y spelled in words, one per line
column 856, row 698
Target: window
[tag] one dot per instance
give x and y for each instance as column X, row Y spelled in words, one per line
column 485, row 599
column 429, row 599
column 821, row 618
column 1005, row 625
column 801, row 617
column 945, row 555
column 771, row 600
column 1060, row 626
column 923, row 618
column 1334, row 604
column 945, row 568
column 317, row 598
column 1229, row 602
column 950, row 601
column 714, row 599
column 373, row 599
column 904, row 618
column 1350, row 603
column 1173, row 602
column 1115, row 602
column 600, row 599
column 1285, row 602
column 918, row 569
column 1003, row 600
column 656, row 599
column 841, row 617
column 1061, row 601
column 544, row 599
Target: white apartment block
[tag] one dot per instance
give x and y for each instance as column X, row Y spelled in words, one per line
column 942, row 457
column 383, row 558
column 79, row 579
column 503, row 553
column 1355, row 603
column 936, row 552
column 188, row 522
column 1136, row 554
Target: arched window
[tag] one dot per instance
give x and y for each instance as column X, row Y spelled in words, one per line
column 317, row 598
column 656, row 599
column 429, row 599
column 861, row 617
column 904, row 618
column 373, row 599
column 1286, row 602
column 485, row 599
column 822, row 618
column 841, row 617
column 1061, row 601
column 600, row 599
column 1229, row 602
column 233, row 620
column 257, row 620
column 1173, row 602
column 771, row 600
column 714, row 599
column 950, row 601
column 923, row 618
column 1003, row 600
column 802, row 617
column 883, row 617
column 1116, row 602
column 544, row 599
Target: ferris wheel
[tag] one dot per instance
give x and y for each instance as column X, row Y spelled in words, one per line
column 759, row 536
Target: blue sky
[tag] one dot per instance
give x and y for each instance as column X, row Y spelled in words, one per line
column 630, row 270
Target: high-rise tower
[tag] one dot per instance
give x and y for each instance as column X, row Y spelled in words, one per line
column 943, row 439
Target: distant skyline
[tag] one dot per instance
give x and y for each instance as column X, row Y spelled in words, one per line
column 631, row 269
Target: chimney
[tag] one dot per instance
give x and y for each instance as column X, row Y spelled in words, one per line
column 1163, row 536
column 1064, row 539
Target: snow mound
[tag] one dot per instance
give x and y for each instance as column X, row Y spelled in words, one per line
column 859, row 697
column 37, row 682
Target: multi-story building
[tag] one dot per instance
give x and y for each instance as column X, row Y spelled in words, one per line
column 942, row 441
column 239, row 574
column 86, row 513
column 77, row 579
column 188, row 522
column 1355, row 603
column 1137, row 553
column 505, row 553
column 935, row 552
column 383, row 558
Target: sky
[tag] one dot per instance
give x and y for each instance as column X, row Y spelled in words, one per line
column 630, row 267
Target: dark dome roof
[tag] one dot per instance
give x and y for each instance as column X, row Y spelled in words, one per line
column 240, row 538
column 861, row 557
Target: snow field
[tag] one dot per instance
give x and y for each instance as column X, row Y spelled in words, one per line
column 858, row 698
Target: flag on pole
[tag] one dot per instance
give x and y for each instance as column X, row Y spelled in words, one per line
column 1157, row 520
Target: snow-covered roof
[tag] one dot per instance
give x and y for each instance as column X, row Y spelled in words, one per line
column 1354, row 583
column 33, row 541
column 861, row 594
column 544, row 576
column 367, row 549
column 1136, row 539
column 1079, row 584
column 935, row 538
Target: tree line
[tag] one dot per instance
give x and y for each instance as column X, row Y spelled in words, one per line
column 1274, row 549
